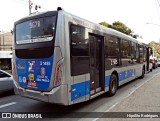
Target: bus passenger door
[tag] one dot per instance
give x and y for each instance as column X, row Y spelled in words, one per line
column 96, row 64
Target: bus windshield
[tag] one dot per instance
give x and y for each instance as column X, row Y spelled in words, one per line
column 36, row 30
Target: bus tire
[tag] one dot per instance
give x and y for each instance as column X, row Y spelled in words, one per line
column 113, row 85
column 143, row 72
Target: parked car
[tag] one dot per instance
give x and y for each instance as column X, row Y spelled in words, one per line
column 158, row 62
column 6, row 81
column 154, row 63
column 150, row 67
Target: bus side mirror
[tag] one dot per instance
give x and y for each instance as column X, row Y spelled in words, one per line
column 12, row 32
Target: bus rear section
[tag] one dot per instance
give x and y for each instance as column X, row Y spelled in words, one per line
column 37, row 62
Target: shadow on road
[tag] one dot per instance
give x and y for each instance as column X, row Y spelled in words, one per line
column 48, row 107
column 6, row 93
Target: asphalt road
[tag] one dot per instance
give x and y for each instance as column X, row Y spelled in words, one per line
column 15, row 103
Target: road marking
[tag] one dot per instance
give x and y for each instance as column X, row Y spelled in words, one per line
column 95, row 119
column 8, row 104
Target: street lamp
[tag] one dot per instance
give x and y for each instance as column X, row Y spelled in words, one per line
column 154, row 51
column 153, row 24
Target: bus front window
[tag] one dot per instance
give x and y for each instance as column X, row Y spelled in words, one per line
column 36, row 30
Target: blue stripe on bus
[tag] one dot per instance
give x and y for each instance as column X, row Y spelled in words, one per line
column 122, row 76
column 80, row 89
column 107, row 78
column 126, row 74
column 83, row 88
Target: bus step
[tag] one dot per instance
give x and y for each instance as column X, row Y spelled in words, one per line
column 97, row 94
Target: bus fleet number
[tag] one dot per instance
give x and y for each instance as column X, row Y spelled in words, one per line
column 45, row 63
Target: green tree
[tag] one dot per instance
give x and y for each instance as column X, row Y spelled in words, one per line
column 156, row 48
column 105, row 24
column 121, row 27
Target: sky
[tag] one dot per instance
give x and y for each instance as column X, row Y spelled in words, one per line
column 133, row 13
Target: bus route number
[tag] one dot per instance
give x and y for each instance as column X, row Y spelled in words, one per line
column 45, row 63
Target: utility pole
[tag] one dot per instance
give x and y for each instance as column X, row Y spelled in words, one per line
column 3, row 41
column 0, row 40
column 30, row 6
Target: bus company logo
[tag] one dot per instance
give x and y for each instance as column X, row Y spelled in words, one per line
column 30, row 68
column 20, row 65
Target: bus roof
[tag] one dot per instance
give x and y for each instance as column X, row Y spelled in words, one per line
column 100, row 27
column 79, row 21
column 36, row 15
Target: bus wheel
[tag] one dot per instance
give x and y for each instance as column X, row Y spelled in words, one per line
column 143, row 72
column 113, row 84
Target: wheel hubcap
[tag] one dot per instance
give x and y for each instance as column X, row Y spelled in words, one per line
column 113, row 85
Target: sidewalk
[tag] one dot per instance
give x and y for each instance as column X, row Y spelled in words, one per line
column 144, row 99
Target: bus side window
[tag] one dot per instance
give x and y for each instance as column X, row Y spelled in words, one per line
column 111, row 52
column 79, row 50
column 138, row 54
column 141, row 52
column 79, row 41
column 125, row 52
column 133, row 52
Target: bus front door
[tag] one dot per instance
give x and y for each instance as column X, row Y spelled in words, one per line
column 96, row 64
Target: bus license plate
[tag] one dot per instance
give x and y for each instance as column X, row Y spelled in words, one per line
column 30, row 83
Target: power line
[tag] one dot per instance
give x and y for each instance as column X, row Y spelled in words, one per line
column 156, row 1
column 22, row 2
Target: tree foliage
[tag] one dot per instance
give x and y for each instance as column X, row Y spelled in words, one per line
column 156, row 48
column 105, row 24
column 121, row 27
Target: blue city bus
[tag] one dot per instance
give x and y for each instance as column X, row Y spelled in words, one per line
column 64, row 59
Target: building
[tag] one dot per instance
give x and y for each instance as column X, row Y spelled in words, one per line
column 5, row 41
column 5, row 50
